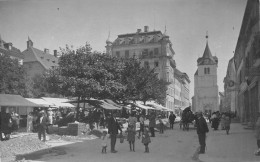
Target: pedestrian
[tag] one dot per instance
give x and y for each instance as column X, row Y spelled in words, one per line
column 161, row 125
column 257, row 127
column 227, row 123
column 222, row 121
column 113, row 127
column 152, row 123
column 42, row 123
column 172, row 118
column 141, row 119
column 132, row 120
column 202, row 129
column 215, row 121
column 131, row 137
column 104, row 139
column 29, row 122
column 146, row 139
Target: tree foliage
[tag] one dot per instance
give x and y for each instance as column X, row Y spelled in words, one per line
column 12, row 76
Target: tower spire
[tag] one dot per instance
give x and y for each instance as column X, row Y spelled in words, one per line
column 207, row 36
column 108, row 38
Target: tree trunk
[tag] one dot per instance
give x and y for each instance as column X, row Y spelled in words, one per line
column 77, row 110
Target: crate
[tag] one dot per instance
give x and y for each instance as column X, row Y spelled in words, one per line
column 63, row 131
column 53, row 129
column 75, row 129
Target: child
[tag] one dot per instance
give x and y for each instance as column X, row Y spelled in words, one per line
column 161, row 125
column 146, row 139
column 104, row 139
column 227, row 123
column 131, row 137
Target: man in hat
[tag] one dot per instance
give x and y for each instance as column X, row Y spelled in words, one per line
column 202, row 129
column 42, row 123
column 113, row 127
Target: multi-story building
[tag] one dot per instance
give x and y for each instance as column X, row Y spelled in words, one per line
column 10, row 50
column 37, row 61
column 154, row 49
column 182, row 92
column 247, row 64
column 206, row 94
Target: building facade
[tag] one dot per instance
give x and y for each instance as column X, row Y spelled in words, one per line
column 230, row 87
column 36, row 62
column 247, row 64
column 206, row 94
column 154, row 49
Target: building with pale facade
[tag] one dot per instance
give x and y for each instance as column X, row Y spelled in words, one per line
column 36, row 62
column 206, row 97
column 154, row 49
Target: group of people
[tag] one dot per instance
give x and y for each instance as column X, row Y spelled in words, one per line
column 222, row 119
column 146, row 130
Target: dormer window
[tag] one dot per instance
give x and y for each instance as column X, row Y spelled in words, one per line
column 48, row 59
column 53, row 61
column 42, row 57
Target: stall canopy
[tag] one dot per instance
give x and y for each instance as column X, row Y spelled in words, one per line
column 58, row 102
column 41, row 102
column 104, row 104
column 157, row 106
column 16, row 101
column 142, row 106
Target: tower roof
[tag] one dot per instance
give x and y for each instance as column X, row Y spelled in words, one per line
column 207, row 58
column 207, row 53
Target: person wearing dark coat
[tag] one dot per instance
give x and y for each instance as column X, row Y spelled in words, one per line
column 202, row 129
column 42, row 123
column 172, row 120
column 113, row 127
column 152, row 123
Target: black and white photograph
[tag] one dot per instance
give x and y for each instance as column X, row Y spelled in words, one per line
column 129, row 80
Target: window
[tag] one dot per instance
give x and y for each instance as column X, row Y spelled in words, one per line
column 206, row 70
column 156, row 64
column 145, row 52
column 156, row 51
column 127, row 54
column 117, row 53
column 146, row 64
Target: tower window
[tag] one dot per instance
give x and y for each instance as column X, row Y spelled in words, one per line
column 206, row 70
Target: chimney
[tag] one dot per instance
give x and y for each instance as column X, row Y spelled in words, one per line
column 139, row 30
column 55, row 53
column 146, row 28
column 46, row 50
column 29, row 43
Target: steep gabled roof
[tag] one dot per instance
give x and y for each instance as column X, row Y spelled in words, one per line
column 196, row 73
column 46, row 60
column 207, row 58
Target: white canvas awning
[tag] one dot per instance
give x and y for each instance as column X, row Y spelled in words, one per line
column 58, row 102
column 157, row 106
column 41, row 102
column 142, row 106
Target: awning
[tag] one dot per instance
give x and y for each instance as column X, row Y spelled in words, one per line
column 16, row 101
column 157, row 106
column 105, row 104
column 142, row 106
column 58, row 102
column 41, row 102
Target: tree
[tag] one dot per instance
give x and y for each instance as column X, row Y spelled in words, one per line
column 12, row 76
column 84, row 74
column 142, row 83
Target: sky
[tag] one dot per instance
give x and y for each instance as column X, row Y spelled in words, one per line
column 54, row 23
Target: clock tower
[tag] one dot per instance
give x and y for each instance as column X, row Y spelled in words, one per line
column 206, row 96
